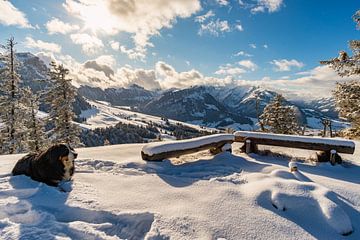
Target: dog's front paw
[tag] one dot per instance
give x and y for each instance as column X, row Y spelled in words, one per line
column 65, row 186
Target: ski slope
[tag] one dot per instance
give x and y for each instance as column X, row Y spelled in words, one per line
column 116, row 195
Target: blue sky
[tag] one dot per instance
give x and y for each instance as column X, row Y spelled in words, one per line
column 178, row 43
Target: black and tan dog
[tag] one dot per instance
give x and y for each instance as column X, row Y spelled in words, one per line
column 52, row 166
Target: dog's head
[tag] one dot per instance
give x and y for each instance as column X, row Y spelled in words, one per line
column 61, row 157
column 62, row 152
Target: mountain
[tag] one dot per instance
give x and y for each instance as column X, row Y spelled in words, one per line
column 236, row 107
column 195, row 105
column 132, row 96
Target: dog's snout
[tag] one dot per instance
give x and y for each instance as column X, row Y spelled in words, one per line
column 75, row 155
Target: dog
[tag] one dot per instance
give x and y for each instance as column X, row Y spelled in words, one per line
column 52, row 166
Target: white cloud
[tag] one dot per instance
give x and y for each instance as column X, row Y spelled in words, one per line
column 269, row 5
column 239, row 27
column 138, row 54
column 283, row 65
column 265, row 46
column 10, row 15
column 115, row 45
column 41, row 45
column 229, row 70
column 214, row 27
column 55, row 25
column 168, row 77
column 242, row 53
column 203, row 18
column 142, row 18
column 89, row 44
column 223, row 2
column 46, row 57
column 252, row 45
column 248, row 64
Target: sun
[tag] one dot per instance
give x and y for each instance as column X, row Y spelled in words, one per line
column 97, row 18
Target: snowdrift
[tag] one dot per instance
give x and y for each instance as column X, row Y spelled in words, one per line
column 116, row 195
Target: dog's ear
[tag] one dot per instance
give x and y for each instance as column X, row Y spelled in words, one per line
column 57, row 151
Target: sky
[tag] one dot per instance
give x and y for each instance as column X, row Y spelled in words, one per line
column 165, row 44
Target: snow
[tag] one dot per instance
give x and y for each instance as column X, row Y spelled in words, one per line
column 161, row 147
column 102, row 114
column 293, row 138
column 116, row 195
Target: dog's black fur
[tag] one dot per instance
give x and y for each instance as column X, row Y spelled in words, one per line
column 46, row 166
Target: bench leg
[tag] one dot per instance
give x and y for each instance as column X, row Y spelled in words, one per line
column 329, row 156
column 249, row 147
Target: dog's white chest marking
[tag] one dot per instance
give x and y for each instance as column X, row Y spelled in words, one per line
column 68, row 166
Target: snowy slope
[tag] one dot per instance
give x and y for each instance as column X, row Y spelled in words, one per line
column 103, row 114
column 116, row 195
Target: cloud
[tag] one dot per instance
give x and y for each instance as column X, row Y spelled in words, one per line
column 10, row 15
column 284, row 65
column 242, row 53
column 104, row 64
column 239, row 27
column 89, row 44
column 128, row 76
column 222, row 2
column 114, row 45
column 41, row 45
column 141, row 18
column 248, row 64
column 203, row 18
column 252, row 45
column 214, row 27
column 265, row 46
column 235, row 70
column 46, row 57
column 168, row 77
column 269, row 5
column 55, row 25
column 229, row 70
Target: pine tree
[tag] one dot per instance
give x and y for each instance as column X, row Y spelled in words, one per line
column 36, row 138
column 278, row 118
column 61, row 95
column 12, row 106
column 347, row 94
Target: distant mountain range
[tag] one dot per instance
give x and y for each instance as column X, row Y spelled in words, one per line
column 235, row 107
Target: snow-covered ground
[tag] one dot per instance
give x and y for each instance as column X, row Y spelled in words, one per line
column 116, row 195
column 102, row 114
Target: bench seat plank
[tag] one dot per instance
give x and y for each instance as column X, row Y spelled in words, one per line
column 162, row 150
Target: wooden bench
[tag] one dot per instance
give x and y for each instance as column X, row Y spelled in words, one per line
column 162, row 150
column 329, row 146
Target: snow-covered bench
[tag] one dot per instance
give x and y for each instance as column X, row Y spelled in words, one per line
column 329, row 146
column 162, row 150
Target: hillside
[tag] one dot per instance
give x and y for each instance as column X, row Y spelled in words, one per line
column 116, row 195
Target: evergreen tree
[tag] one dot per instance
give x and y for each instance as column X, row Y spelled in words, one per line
column 36, row 138
column 13, row 132
column 61, row 95
column 347, row 94
column 278, row 118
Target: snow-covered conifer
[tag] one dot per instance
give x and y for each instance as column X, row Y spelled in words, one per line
column 36, row 137
column 347, row 94
column 278, row 118
column 13, row 131
column 60, row 97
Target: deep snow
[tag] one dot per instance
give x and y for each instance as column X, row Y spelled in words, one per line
column 116, row 195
